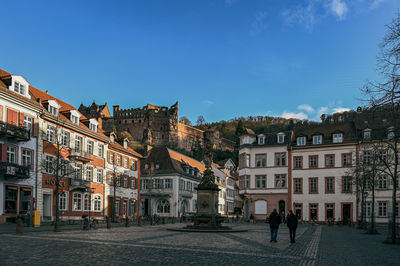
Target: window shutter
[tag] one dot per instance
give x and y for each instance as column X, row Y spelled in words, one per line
column 1, row 113
column 12, row 117
column 108, row 156
column 21, row 119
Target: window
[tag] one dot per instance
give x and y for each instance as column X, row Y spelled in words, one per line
column 298, row 185
column 77, row 201
column 367, row 134
column 317, row 139
column 367, row 158
column 390, row 134
column 11, row 154
column 50, row 133
column 90, row 145
column 100, row 176
column 329, row 160
column 125, row 184
column 133, row 182
column 168, row 183
column 261, row 160
column 281, row 139
column 346, row 159
column 163, row 206
column 329, row 185
column 63, row 168
column 100, row 150
column 382, row 209
column 298, row 208
column 112, row 157
column 65, row 138
column 19, row 88
column 261, row 181
column 382, row 182
column 313, row 161
column 63, row 200
column 75, row 119
column 126, row 162
column 368, row 208
column 78, row 143
column 313, row 185
column 118, row 159
column 280, row 159
column 298, row 162
column 27, row 157
column 97, row 202
column 301, row 141
column 49, row 164
column 337, row 138
column 280, row 181
column 93, row 127
column 89, row 173
column 28, row 122
column 87, row 202
column 261, row 140
column 247, row 181
column 118, row 180
column 346, row 184
column 247, row 160
column 53, row 110
column 314, row 211
column 78, row 171
column 329, row 210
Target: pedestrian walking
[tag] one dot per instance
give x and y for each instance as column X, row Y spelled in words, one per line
column 274, row 222
column 292, row 224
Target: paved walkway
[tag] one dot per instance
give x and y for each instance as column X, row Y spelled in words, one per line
column 154, row 245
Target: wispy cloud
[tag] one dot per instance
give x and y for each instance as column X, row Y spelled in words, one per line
column 376, row 3
column 306, row 107
column 259, row 23
column 230, row 2
column 305, row 15
column 340, row 109
column 208, row 103
column 288, row 115
column 339, row 8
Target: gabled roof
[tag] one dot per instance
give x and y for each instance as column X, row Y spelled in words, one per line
column 118, row 147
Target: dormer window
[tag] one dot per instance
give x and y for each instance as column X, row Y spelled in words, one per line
column 75, row 116
column 337, row 138
column 317, row 139
column 301, row 141
column 74, row 119
column 261, row 139
column 390, row 133
column 281, row 138
column 93, row 124
column 112, row 137
column 53, row 107
column 19, row 88
column 367, row 134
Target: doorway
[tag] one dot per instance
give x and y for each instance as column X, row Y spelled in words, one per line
column 47, row 207
column 282, row 207
column 346, row 213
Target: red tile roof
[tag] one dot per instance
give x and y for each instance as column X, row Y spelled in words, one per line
column 129, row 151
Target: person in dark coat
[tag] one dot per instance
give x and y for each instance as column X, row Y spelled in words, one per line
column 292, row 224
column 274, row 222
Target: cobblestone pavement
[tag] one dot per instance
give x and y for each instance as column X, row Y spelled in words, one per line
column 154, row 245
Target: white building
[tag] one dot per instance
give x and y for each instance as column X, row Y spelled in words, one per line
column 168, row 182
column 19, row 132
column 263, row 173
column 322, row 158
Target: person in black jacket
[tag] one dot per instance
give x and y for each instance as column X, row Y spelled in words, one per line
column 274, row 222
column 292, row 224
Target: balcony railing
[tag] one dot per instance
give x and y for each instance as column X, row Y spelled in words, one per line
column 157, row 191
column 78, row 155
column 12, row 170
column 76, row 183
column 12, row 131
column 185, row 193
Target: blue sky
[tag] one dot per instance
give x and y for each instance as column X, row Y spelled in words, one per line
column 219, row 58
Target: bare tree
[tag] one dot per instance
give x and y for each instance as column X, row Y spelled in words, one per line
column 200, row 120
column 185, row 121
column 384, row 95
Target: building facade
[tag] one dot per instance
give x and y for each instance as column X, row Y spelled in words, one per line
column 263, row 173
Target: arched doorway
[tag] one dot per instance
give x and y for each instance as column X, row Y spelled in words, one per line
column 282, row 207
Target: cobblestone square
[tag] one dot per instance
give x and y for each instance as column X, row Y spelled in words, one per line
column 155, row 245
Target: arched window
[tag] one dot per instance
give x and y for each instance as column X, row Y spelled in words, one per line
column 97, row 202
column 260, row 207
column 163, row 206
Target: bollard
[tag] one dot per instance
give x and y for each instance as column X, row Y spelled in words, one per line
column 108, row 223
column 20, row 226
column 126, row 222
column 139, row 221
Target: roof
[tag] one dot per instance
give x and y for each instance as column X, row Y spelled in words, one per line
column 170, row 161
column 120, row 148
column 326, row 130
